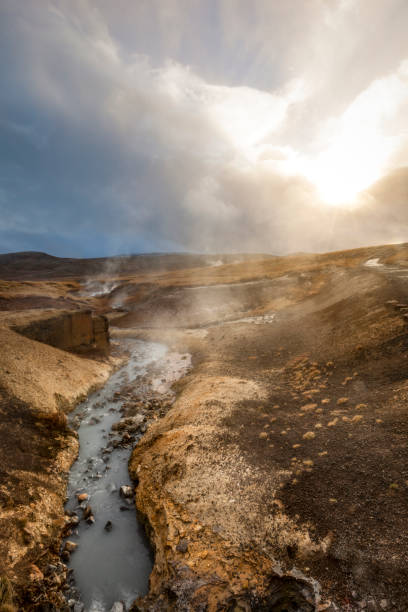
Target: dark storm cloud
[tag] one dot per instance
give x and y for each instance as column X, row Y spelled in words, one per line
column 141, row 126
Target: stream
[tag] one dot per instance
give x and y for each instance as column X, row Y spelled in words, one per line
column 113, row 560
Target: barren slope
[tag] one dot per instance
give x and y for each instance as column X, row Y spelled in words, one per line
column 287, row 444
column 282, row 468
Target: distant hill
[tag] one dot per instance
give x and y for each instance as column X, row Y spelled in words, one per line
column 33, row 265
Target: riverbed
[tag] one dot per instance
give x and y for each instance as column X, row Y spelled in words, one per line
column 112, row 561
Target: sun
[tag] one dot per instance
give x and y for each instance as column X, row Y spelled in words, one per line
column 338, row 182
column 346, row 168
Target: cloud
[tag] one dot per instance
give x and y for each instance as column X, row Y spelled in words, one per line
column 200, row 125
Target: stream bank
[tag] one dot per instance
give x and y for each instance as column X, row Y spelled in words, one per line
column 106, row 551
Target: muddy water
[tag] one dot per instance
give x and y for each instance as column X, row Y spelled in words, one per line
column 114, row 565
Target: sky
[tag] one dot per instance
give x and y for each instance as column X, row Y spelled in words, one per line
column 202, row 125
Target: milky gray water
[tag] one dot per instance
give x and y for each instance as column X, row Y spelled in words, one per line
column 113, row 566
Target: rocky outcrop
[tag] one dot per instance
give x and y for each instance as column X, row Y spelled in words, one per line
column 80, row 331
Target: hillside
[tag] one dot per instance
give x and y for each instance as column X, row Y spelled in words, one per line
column 278, row 478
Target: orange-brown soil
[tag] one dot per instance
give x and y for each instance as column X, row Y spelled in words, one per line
column 282, row 468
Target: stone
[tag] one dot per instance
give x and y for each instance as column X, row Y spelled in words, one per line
column 108, row 526
column 81, row 497
column 342, row 400
column 137, row 420
column 126, row 491
column 182, row 546
column 357, row 418
column 90, row 520
column 36, row 574
column 117, row 607
column 372, row 605
column 309, row 435
column 70, row 546
column 28, row 536
column 87, row 512
column 59, row 581
column 308, row 407
column 326, row 606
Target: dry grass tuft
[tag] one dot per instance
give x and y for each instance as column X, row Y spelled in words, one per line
column 8, row 608
column 6, row 595
column 56, row 420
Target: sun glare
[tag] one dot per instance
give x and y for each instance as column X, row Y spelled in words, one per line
column 348, row 168
column 340, row 175
column 354, row 160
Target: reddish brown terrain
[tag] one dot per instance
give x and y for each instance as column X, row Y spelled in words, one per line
column 278, row 480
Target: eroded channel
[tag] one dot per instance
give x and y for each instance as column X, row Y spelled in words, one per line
column 112, row 560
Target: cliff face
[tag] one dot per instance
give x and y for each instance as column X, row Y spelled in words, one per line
column 71, row 331
column 49, row 362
